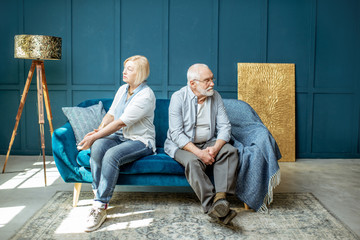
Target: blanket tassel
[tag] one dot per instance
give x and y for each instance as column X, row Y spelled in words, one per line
column 274, row 182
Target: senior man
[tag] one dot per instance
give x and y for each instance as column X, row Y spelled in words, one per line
column 198, row 136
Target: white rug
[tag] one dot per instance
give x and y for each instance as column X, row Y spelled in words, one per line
column 134, row 215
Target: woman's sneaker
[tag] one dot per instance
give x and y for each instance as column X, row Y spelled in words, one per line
column 96, row 217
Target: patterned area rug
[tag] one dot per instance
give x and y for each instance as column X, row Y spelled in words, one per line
column 137, row 215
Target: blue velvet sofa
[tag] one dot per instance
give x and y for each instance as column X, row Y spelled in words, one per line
column 155, row 170
column 258, row 173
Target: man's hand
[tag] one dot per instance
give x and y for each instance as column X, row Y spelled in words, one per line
column 206, row 157
column 212, row 151
column 202, row 154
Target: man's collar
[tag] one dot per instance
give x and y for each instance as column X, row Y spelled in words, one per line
column 191, row 93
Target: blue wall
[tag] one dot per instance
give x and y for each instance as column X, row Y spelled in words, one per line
column 320, row 36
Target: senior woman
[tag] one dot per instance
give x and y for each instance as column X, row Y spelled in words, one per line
column 125, row 134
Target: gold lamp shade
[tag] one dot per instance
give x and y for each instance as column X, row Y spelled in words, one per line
column 37, row 47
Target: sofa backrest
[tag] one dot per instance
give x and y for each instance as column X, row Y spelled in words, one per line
column 161, row 119
column 240, row 114
column 106, row 103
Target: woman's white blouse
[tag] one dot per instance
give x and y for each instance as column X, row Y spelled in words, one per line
column 138, row 115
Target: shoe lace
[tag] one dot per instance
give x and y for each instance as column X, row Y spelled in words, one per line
column 94, row 214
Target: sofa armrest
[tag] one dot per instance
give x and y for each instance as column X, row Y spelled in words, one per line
column 65, row 154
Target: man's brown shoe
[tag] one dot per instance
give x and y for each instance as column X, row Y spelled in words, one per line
column 220, row 208
column 230, row 216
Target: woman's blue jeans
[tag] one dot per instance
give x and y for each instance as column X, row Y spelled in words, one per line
column 108, row 154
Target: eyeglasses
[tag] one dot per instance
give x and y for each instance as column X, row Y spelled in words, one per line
column 206, row 81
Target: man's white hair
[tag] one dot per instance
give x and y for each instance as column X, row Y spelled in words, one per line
column 193, row 72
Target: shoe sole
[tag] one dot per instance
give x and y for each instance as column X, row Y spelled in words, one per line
column 232, row 214
column 97, row 225
column 219, row 209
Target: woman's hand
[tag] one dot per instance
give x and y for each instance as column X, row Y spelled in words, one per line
column 87, row 141
column 91, row 137
column 91, row 133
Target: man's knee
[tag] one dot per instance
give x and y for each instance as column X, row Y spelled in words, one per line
column 229, row 149
column 189, row 161
column 195, row 163
column 194, row 169
column 228, row 154
column 192, row 163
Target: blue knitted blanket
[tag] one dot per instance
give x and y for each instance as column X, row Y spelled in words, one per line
column 259, row 171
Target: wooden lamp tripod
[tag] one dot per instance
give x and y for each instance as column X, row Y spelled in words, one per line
column 36, row 47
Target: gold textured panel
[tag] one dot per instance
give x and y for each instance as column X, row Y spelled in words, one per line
column 269, row 88
column 37, row 47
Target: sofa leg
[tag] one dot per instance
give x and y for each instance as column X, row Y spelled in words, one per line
column 77, row 189
column 246, row 206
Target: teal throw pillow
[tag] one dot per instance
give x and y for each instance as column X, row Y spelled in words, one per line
column 84, row 120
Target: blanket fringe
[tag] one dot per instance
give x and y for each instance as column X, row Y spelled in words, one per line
column 274, row 182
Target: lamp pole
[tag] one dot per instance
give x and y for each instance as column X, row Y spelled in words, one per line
column 36, row 47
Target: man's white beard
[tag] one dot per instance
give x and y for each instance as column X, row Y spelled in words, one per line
column 205, row 92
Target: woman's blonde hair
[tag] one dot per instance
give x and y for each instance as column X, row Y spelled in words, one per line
column 142, row 68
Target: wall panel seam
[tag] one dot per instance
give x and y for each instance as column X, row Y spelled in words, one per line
column 165, row 53
column 117, row 61
column 69, row 41
column 311, row 79
column 215, row 34
column 266, row 45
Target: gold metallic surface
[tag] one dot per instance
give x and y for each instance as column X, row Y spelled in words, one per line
column 37, row 47
column 269, row 88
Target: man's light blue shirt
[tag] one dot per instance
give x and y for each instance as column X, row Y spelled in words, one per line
column 182, row 120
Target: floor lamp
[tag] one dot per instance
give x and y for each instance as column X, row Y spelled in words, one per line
column 38, row 48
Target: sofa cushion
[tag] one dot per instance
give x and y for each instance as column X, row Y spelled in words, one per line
column 84, row 120
column 157, row 163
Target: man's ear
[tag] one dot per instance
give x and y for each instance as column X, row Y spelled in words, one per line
column 192, row 83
